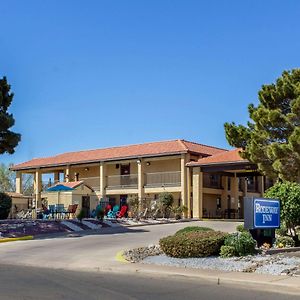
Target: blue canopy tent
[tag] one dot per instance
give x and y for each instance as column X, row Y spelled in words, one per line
column 59, row 188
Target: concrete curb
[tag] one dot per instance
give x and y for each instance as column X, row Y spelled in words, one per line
column 22, row 238
column 282, row 284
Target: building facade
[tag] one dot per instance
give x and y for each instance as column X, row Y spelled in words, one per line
column 202, row 178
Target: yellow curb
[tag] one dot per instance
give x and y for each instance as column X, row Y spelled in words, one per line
column 120, row 258
column 22, row 238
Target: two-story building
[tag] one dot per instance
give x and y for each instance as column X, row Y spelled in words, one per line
column 208, row 180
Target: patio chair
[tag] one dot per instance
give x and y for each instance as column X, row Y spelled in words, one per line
column 71, row 211
column 113, row 213
column 60, row 210
column 122, row 212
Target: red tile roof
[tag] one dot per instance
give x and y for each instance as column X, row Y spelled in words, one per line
column 71, row 184
column 224, row 157
column 122, row 152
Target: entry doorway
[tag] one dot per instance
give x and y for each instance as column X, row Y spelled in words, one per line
column 85, row 206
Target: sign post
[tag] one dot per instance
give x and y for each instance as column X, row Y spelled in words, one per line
column 262, row 217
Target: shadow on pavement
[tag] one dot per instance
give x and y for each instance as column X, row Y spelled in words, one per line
column 102, row 231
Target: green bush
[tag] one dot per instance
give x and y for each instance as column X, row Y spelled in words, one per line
column 5, row 205
column 284, row 242
column 242, row 242
column 241, row 228
column 282, row 231
column 227, row 251
column 99, row 213
column 193, row 244
column 289, row 195
column 193, row 229
column 81, row 215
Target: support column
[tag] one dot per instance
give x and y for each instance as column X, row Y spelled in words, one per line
column 224, row 194
column 245, row 187
column 67, row 174
column 183, row 180
column 102, row 178
column 234, row 192
column 19, row 187
column 261, row 184
column 141, row 180
column 189, row 190
column 37, row 189
column 197, row 193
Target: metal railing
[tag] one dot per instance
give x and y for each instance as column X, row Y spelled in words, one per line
column 122, row 181
column 163, row 179
column 212, row 181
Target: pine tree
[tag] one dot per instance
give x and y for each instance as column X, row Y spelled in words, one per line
column 8, row 139
column 272, row 138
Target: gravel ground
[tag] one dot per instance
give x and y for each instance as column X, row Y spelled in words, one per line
column 263, row 264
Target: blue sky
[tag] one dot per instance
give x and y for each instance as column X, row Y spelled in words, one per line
column 92, row 74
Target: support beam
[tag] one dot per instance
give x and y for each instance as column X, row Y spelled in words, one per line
column 234, row 192
column 19, row 187
column 102, row 179
column 67, row 174
column 197, row 193
column 37, row 189
column 183, row 180
column 141, row 182
column 189, row 190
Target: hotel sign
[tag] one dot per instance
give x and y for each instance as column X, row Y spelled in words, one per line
column 266, row 213
column 261, row 213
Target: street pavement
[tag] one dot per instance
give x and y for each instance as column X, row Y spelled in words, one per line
column 18, row 282
column 95, row 254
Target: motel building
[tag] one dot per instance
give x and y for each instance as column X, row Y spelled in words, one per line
column 211, row 182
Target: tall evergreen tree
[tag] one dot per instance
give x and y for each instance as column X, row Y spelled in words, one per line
column 272, row 138
column 8, row 139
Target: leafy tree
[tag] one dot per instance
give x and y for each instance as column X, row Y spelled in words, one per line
column 5, row 205
column 8, row 139
column 289, row 194
column 272, row 138
column 7, row 179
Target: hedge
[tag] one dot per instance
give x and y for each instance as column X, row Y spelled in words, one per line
column 193, row 244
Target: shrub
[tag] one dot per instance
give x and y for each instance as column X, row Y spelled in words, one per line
column 99, row 213
column 5, row 205
column 227, row 251
column 166, row 201
column 242, row 242
column 193, row 229
column 81, row 215
column 282, row 231
column 284, row 242
column 289, row 195
column 179, row 210
column 193, row 244
column 241, row 228
column 133, row 203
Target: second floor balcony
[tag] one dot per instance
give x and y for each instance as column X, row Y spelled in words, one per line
column 122, row 181
column 164, row 179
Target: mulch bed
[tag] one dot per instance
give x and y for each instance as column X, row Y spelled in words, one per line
column 17, row 228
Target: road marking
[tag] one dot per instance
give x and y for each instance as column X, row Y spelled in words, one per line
column 120, row 258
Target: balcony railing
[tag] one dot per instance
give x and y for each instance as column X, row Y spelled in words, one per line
column 212, row 181
column 122, row 181
column 163, row 179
